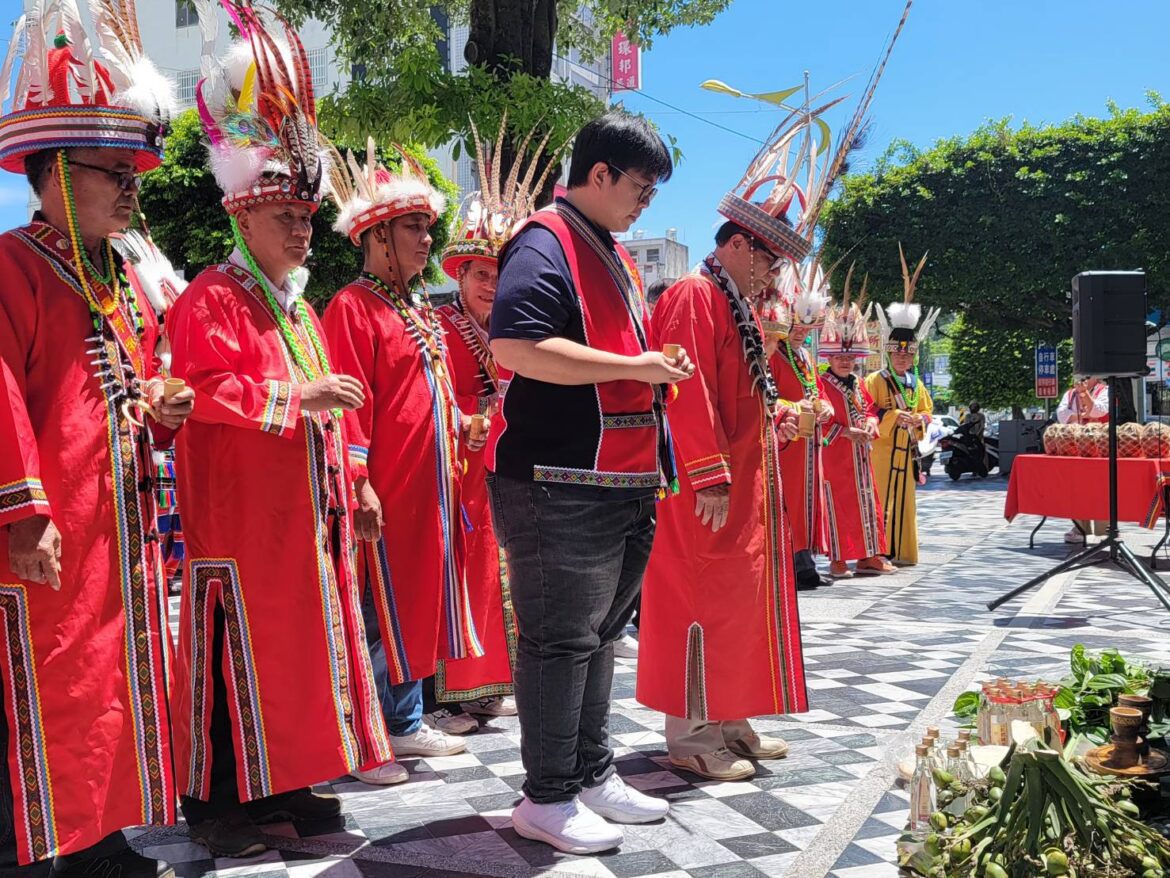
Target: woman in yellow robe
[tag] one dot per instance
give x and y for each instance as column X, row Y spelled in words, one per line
column 904, row 406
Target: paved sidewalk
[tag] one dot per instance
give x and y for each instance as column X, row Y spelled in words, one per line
column 885, row 658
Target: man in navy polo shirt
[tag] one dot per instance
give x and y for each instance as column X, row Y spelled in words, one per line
column 578, row 456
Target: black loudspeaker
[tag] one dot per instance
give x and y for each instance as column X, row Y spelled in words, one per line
column 1109, row 323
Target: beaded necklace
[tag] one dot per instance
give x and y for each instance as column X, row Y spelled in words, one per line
column 805, row 375
column 428, row 332
column 81, row 260
column 291, row 340
column 911, row 400
column 853, row 399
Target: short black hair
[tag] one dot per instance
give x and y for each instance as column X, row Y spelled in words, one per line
column 38, row 166
column 657, row 289
column 976, row 408
column 621, row 140
column 729, row 230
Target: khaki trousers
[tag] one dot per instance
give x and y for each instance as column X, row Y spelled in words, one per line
column 688, row 737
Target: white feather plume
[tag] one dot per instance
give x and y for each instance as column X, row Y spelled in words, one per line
column 237, row 169
column 905, row 315
column 156, row 276
column 69, row 22
column 9, row 60
column 32, row 84
column 400, row 188
column 150, row 93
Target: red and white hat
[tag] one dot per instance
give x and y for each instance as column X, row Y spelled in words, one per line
column 372, row 194
column 259, row 112
column 845, row 330
column 73, row 91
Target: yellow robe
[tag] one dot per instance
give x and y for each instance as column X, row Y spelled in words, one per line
column 893, row 456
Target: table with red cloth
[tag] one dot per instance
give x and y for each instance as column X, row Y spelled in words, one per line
column 1053, row 486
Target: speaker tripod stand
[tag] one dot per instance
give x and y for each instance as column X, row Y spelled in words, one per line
column 1112, row 549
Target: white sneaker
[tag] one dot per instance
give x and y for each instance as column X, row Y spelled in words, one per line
column 451, row 723
column 385, row 774
column 720, row 765
column 1074, row 536
column 426, row 742
column 567, row 826
column 625, row 647
column 493, row 705
column 616, row 800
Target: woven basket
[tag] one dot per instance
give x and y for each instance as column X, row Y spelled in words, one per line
column 1129, row 440
column 1058, row 440
column 1155, row 440
column 1096, row 440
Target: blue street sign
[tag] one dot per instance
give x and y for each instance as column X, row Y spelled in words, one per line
column 1047, row 379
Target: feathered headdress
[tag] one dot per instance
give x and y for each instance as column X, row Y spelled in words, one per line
column 372, row 194
column 845, row 330
column 74, row 91
column 148, row 270
column 900, row 327
column 805, row 289
column 487, row 217
column 258, row 110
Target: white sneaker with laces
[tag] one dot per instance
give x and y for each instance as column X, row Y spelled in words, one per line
column 451, row 723
column 426, row 742
column 383, row 775
column 493, row 705
column 616, row 800
column 625, row 647
column 567, row 826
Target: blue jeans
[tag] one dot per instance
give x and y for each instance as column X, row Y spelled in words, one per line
column 402, row 704
column 575, row 568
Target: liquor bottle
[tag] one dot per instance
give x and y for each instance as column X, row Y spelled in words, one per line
column 922, row 793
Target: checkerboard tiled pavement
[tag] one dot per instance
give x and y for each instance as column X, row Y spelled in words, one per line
column 885, row 657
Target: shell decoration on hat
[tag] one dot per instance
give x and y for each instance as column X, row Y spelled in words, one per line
column 903, row 328
column 488, row 216
column 371, row 194
column 259, row 111
column 76, row 91
column 845, row 330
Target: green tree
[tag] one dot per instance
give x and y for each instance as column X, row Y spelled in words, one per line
column 403, row 89
column 1010, row 214
column 182, row 204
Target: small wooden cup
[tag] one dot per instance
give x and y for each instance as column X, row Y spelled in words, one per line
column 808, row 425
column 478, row 428
column 171, row 386
column 671, row 351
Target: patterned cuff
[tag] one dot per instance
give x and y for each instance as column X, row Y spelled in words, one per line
column 358, row 457
column 708, row 471
column 281, row 409
column 21, row 499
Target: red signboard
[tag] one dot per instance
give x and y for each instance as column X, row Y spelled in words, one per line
column 625, row 64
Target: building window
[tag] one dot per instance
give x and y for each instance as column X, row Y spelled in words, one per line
column 187, row 80
column 185, row 14
column 319, row 65
column 652, row 255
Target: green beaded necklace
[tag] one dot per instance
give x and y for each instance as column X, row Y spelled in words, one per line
column 810, row 383
column 299, row 354
column 911, row 401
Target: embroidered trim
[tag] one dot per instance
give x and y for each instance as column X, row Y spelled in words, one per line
column 32, row 786
column 378, row 578
column 626, row 422
column 695, row 693
column 477, row 342
column 707, row 471
column 359, row 455
column 23, row 492
column 276, row 409
column 568, row 476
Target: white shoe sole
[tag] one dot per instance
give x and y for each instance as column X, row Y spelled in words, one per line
column 404, row 750
column 382, row 782
column 533, row 833
column 618, row 816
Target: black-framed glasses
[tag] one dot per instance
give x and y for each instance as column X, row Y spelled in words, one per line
column 126, row 180
column 777, row 261
column 646, row 191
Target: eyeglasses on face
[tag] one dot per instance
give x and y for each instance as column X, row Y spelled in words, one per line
column 646, row 191
column 126, row 180
column 777, row 261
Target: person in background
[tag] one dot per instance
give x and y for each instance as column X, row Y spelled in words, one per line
column 577, row 457
column 1086, row 402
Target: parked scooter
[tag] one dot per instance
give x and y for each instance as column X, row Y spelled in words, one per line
column 968, row 453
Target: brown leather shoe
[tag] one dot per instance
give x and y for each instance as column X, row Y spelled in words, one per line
column 720, row 765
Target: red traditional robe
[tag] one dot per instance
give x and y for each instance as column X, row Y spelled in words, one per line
column 405, row 439
column 478, row 386
column 719, row 613
column 84, row 680
column 265, row 492
column 856, row 528
column 800, row 459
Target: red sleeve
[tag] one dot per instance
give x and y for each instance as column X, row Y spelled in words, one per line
column 353, row 351
column 464, row 368
column 684, row 316
column 871, row 409
column 840, row 420
column 206, row 328
column 21, row 493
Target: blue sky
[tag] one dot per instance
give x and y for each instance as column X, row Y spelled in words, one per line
column 958, row 63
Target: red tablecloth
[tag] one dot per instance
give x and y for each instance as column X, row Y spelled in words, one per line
column 1078, row 487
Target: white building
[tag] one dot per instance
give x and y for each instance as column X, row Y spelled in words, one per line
column 658, row 258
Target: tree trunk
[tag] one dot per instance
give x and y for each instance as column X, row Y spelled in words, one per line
column 503, row 32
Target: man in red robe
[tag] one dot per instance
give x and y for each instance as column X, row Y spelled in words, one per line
column 856, row 526
column 796, row 376
column 404, row 447
column 84, row 736
column 711, row 662
column 274, row 690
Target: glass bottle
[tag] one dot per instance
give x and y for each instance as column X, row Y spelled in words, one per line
column 970, row 768
column 922, row 795
column 961, row 772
